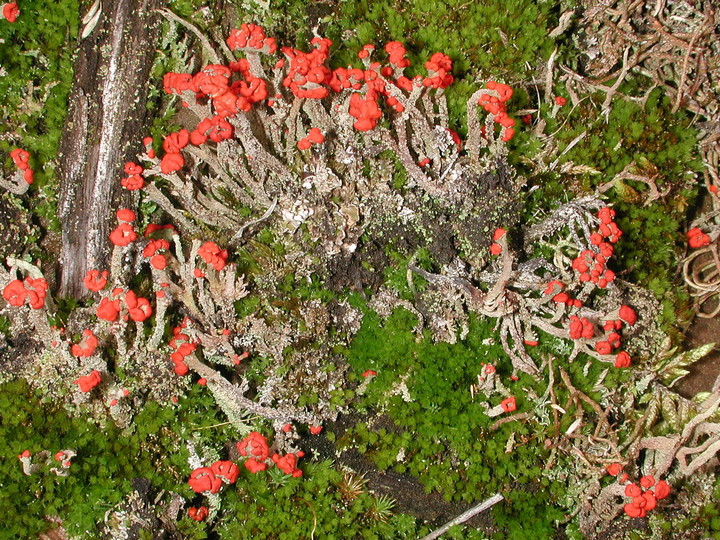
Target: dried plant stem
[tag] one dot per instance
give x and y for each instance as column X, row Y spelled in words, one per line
column 462, row 518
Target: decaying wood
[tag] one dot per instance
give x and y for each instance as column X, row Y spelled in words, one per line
column 106, row 112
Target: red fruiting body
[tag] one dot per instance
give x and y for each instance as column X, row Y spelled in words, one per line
column 88, row 382
column 133, row 182
column 225, row 470
column 662, row 489
column 316, row 136
column 697, row 238
column 125, row 214
column 87, row 345
column 203, row 479
column 138, row 307
column 287, row 464
column 628, row 315
column 14, row 293
column 198, row 514
column 509, row 405
column 213, row 255
column 647, row 482
column 622, row 360
column 108, row 310
column 603, row 347
column 255, row 466
column 123, row 235
column 254, row 446
column 11, row 11
column 171, row 162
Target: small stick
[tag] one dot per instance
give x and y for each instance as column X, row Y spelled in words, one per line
column 462, row 518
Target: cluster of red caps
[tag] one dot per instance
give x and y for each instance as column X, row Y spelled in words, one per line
column 314, row 136
column 251, row 36
column 182, row 347
column 21, row 159
column 198, row 514
column 134, row 180
column 255, row 448
column 496, row 105
column 232, row 89
column 124, row 234
column 583, row 328
column 59, row 456
column 135, row 307
column 213, row 255
column 644, row 496
column 30, row 290
column 10, row 11
column 155, row 250
column 95, row 280
column 591, row 264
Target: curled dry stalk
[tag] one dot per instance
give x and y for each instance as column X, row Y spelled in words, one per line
column 701, row 272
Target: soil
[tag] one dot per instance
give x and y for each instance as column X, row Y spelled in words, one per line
column 704, row 372
column 407, row 492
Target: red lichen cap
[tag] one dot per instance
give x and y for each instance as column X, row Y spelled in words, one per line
column 622, row 360
column 498, row 234
column 603, row 347
column 123, row 235
column 139, row 308
column 95, row 280
column 226, row 470
column 203, row 479
column 14, row 293
column 628, row 315
column 287, row 464
column 11, row 11
column 697, row 238
column 133, row 182
column 647, row 481
column 36, row 291
column 633, row 490
column 614, row 469
column 213, row 255
column 662, row 489
column 255, row 466
column 633, row 510
column 88, row 382
column 108, row 310
column 125, row 214
column 316, row 136
column 509, row 405
column 198, row 514
column 87, row 345
column 171, row 162
column 254, row 446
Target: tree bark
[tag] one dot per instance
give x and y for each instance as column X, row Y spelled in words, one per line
column 103, row 129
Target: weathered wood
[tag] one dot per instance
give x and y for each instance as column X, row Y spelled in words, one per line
column 103, row 128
